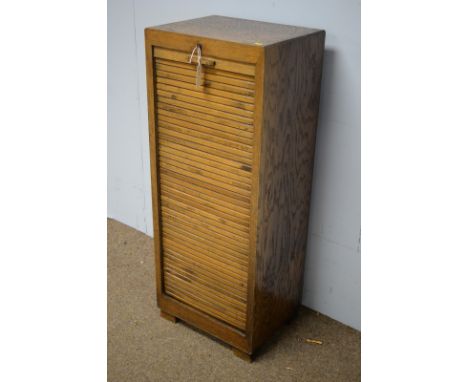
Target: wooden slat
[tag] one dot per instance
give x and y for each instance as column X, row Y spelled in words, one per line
column 229, row 180
column 228, row 306
column 203, row 162
column 192, row 272
column 181, row 110
column 234, row 140
column 199, row 93
column 202, row 288
column 189, row 72
column 217, row 159
column 176, row 159
column 233, row 284
column 211, row 189
column 206, row 69
column 221, row 186
column 229, row 66
column 222, row 210
column 233, row 305
column 204, row 193
column 224, row 180
column 214, row 259
column 208, row 87
column 170, row 242
column 194, row 213
column 235, row 251
column 208, row 140
column 218, row 310
column 205, row 210
column 174, row 203
column 242, row 159
column 231, row 258
column 218, row 285
column 238, row 135
column 194, row 105
column 203, row 260
column 205, row 155
column 199, row 230
column 188, row 298
column 216, row 108
column 208, row 227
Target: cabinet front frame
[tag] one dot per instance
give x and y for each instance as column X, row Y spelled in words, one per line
column 251, row 54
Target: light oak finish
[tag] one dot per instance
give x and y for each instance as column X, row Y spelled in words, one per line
column 168, row 317
column 231, row 167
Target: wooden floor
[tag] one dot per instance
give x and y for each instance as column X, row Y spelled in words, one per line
column 142, row 346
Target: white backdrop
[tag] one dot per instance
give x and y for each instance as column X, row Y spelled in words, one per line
column 332, row 276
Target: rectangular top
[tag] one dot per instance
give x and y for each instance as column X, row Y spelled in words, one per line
column 237, row 30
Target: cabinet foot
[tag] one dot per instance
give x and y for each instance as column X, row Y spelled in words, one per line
column 169, row 317
column 242, row 355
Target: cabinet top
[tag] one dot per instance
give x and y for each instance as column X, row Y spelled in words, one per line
column 237, row 30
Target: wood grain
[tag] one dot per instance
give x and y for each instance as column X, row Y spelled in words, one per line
column 221, row 64
column 211, row 163
column 290, row 115
column 237, row 30
column 169, row 317
column 231, row 168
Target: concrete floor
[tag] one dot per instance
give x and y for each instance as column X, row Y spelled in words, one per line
column 144, row 347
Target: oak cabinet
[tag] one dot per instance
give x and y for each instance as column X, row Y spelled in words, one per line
column 233, row 107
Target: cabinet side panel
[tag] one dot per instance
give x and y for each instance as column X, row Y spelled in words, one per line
column 290, row 114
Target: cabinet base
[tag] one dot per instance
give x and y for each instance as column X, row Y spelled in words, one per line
column 242, row 355
column 169, row 317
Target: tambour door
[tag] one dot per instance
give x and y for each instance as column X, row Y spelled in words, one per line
column 204, row 122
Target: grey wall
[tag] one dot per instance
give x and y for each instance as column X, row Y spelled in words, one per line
column 332, row 278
